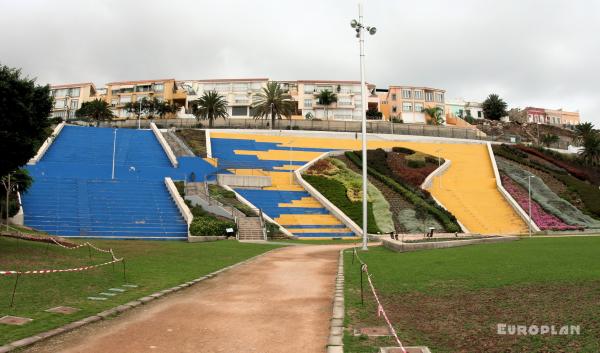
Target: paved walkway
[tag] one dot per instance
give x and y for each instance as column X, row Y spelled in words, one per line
column 281, row 302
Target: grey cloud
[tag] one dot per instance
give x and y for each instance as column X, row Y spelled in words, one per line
column 532, row 52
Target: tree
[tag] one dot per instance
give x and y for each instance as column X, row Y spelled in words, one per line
column 435, row 115
column 209, row 107
column 326, row 98
column 374, row 114
column 549, row 139
column 582, row 131
column 24, row 111
column 273, row 101
column 154, row 107
column 136, row 108
column 97, row 110
column 19, row 181
column 494, row 107
column 590, row 153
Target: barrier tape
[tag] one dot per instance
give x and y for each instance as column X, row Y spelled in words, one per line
column 41, row 272
column 109, row 251
column 380, row 309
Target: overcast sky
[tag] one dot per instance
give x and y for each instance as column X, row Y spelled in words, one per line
column 538, row 53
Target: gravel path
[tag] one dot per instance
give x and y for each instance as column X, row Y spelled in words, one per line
column 281, row 302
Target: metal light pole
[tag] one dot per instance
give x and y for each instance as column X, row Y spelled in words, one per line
column 529, row 188
column 360, row 28
column 139, row 116
column 114, row 153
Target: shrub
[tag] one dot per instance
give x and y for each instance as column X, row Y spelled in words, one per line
column 446, row 218
column 402, row 150
column 209, row 225
column 576, row 172
column 415, row 163
column 335, row 192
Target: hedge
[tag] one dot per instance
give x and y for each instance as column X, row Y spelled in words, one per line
column 444, row 217
column 335, row 192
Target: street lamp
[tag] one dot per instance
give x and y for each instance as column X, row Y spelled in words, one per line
column 529, row 191
column 360, row 28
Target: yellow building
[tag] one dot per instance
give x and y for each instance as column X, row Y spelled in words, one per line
column 69, row 97
column 407, row 102
column 120, row 93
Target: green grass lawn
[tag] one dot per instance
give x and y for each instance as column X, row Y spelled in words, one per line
column 152, row 265
column 319, row 241
column 452, row 299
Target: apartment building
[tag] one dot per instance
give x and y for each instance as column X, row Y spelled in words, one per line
column 69, row 97
column 407, row 102
column 240, row 93
column 349, row 104
column 120, row 93
column 548, row 116
column 462, row 108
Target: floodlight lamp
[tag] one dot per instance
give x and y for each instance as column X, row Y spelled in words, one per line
column 353, row 23
column 372, row 30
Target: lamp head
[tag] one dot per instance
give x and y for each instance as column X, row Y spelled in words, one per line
column 372, row 30
column 353, row 23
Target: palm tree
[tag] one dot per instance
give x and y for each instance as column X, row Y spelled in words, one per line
column 97, row 110
column 549, row 139
column 326, row 98
column 272, row 100
column 590, row 154
column 209, row 107
column 435, row 114
column 583, row 130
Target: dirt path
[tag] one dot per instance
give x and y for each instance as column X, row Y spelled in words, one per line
column 281, row 302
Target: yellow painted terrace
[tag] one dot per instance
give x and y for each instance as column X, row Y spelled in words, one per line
column 467, row 189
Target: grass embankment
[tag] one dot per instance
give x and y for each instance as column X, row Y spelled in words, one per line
column 152, row 265
column 195, row 139
column 452, row 299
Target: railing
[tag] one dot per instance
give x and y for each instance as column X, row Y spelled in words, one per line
column 373, row 126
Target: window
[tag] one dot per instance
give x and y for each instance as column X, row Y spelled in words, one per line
column 60, row 92
column 239, row 111
column 407, row 107
column 394, row 109
column 429, row 96
column 418, row 94
column 345, row 101
column 158, row 87
column 74, row 92
column 125, row 99
column 309, row 88
column 394, row 96
column 479, row 114
column 406, row 94
column 439, row 97
column 240, row 87
column 256, row 86
column 74, row 103
column 240, row 99
column 59, row 104
column 140, row 97
column 114, row 102
column 143, row 88
column 308, row 103
column 418, row 107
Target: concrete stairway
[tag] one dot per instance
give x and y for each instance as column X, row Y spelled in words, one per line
column 250, row 228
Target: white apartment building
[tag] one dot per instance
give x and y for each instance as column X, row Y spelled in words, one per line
column 240, row 93
column 348, row 106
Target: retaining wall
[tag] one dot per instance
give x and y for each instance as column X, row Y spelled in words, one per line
column 164, row 145
column 40, row 153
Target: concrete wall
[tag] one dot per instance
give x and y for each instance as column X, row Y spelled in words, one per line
column 244, row 180
column 164, row 145
column 336, row 212
column 399, row 246
column 511, row 201
column 183, row 208
column 46, row 144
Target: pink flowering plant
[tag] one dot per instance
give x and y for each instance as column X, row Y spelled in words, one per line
column 543, row 219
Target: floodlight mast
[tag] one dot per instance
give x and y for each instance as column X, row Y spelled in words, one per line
column 360, row 28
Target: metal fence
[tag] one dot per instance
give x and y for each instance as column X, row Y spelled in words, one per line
column 383, row 127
